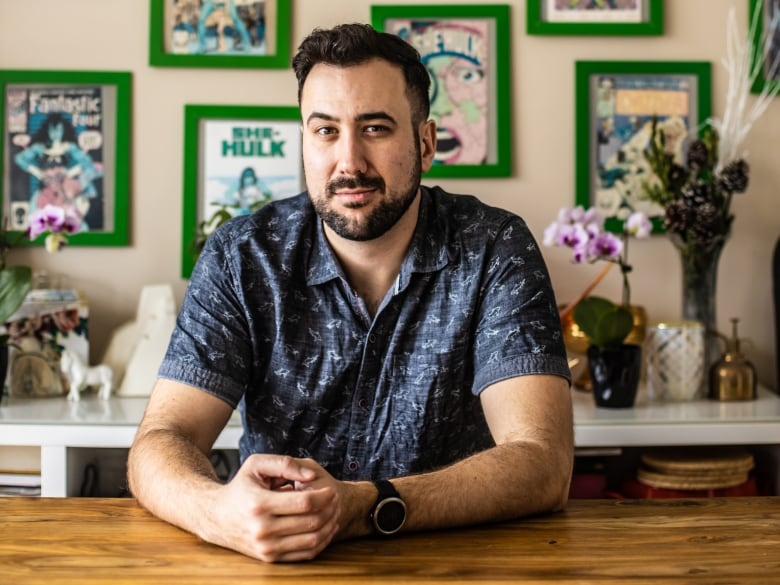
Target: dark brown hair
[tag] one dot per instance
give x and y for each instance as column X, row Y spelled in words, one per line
column 353, row 44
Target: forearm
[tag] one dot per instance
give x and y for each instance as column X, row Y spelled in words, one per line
column 173, row 479
column 512, row 480
column 508, row 481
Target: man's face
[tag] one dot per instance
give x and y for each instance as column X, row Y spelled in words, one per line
column 361, row 154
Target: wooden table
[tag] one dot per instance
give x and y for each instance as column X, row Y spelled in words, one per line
column 712, row 541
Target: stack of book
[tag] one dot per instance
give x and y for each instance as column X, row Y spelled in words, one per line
column 20, row 483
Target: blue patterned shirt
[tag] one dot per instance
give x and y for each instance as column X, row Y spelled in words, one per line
column 270, row 324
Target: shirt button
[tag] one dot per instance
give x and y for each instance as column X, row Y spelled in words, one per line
column 362, row 403
column 371, row 338
column 353, row 466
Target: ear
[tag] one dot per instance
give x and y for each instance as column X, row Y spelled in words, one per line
column 427, row 144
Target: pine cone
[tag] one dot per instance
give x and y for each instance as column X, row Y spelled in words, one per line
column 707, row 224
column 696, row 194
column 677, row 217
column 734, row 176
column 698, row 156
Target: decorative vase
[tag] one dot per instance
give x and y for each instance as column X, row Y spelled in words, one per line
column 699, row 287
column 675, row 361
column 614, row 374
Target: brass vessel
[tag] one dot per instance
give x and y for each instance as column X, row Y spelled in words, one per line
column 733, row 377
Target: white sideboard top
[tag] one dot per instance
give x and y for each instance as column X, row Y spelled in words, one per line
column 697, row 422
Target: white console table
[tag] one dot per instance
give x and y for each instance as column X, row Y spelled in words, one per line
column 657, row 424
column 66, row 432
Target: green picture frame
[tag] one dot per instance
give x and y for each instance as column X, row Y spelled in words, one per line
column 472, row 53
column 90, row 172
column 760, row 53
column 270, row 34
column 224, row 145
column 645, row 19
column 614, row 105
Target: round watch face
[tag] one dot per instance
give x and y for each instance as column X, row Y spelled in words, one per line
column 390, row 515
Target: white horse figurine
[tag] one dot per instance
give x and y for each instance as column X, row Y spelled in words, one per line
column 80, row 375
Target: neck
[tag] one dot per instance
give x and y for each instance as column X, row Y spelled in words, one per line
column 372, row 266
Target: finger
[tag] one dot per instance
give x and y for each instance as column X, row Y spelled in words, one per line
column 299, row 503
column 297, row 546
column 280, row 467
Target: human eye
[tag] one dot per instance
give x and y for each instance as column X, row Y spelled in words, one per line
column 324, row 131
column 376, row 129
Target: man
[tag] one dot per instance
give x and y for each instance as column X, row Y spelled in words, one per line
column 369, row 330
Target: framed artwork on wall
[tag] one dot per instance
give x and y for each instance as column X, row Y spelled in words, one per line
column 616, row 102
column 65, row 140
column 236, row 158
column 764, row 16
column 595, row 17
column 228, row 33
column 466, row 51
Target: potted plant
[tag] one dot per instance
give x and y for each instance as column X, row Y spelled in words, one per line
column 613, row 364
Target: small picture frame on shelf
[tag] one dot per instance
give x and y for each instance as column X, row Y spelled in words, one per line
column 231, row 34
column 65, row 141
column 236, row 158
column 616, row 102
column 466, row 50
column 764, row 16
column 598, row 18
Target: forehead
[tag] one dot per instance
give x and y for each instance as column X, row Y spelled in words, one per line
column 349, row 91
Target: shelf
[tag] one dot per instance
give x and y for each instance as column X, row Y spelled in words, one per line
column 90, row 422
column 699, row 422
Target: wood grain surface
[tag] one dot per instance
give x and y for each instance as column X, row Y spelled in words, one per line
column 713, row 541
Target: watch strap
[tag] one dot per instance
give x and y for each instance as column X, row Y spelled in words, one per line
column 386, row 490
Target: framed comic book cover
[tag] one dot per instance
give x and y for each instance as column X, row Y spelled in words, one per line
column 236, row 158
column 764, row 16
column 220, row 33
column 466, row 51
column 595, row 17
column 616, row 102
column 65, row 140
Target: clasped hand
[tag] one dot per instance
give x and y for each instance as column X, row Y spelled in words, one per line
column 277, row 508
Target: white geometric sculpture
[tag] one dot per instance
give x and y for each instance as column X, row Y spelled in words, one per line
column 137, row 347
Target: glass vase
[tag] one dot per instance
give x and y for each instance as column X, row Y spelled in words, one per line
column 699, row 291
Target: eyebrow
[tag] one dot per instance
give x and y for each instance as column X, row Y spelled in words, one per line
column 380, row 115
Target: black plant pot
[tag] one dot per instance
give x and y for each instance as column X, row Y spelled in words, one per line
column 614, row 374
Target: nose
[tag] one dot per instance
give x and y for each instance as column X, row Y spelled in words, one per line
column 351, row 154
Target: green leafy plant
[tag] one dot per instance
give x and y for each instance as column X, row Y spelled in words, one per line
column 604, row 323
column 221, row 214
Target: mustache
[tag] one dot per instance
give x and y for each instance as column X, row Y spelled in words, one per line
column 359, row 181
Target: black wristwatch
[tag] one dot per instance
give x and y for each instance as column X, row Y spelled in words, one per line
column 389, row 512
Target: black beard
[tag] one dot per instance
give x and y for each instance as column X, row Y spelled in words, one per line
column 381, row 219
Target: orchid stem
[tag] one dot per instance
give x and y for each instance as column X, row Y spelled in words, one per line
column 599, row 277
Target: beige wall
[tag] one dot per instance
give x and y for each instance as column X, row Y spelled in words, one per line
column 113, row 35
